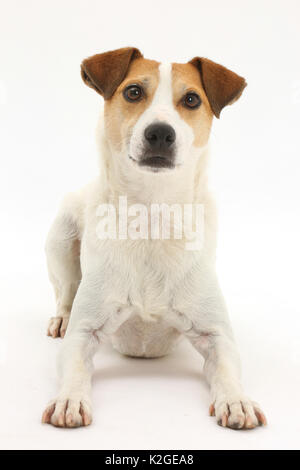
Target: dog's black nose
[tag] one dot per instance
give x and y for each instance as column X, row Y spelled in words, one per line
column 160, row 136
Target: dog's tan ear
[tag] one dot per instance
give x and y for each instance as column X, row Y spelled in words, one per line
column 104, row 72
column 222, row 86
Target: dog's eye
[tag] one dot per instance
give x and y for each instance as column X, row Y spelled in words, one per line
column 192, row 100
column 133, row 93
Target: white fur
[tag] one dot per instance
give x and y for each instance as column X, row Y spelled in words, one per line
column 162, row 109
column 142, row 295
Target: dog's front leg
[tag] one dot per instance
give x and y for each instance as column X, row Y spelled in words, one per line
column 91, row 318
column 229, row 403
column 72, row 406
column 206, row 324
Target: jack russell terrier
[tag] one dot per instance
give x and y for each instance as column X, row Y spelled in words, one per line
column 143, row 293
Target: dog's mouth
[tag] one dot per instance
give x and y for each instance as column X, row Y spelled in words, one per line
column 155, row 162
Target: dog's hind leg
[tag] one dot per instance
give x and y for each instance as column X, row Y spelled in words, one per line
column 63, row 260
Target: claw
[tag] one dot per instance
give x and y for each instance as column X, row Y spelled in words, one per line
column 261, row 417
column 224, row 420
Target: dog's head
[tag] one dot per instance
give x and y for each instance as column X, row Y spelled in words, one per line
column 158, row 115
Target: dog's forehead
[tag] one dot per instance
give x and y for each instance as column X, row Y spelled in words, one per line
column 186, row 76
column 143, row 68
column 179, row 76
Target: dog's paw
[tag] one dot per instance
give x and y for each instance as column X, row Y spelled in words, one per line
column 57, row 326
column 68, row 413
column 243, row 414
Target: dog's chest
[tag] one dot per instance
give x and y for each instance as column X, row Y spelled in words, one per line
column 144, row 275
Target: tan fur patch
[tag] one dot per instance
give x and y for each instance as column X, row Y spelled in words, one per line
column 186, row 78
column 121, row 115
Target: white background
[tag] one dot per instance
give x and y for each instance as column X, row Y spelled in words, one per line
column 47, row 148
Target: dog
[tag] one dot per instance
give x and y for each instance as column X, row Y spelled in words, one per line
column 145, row 293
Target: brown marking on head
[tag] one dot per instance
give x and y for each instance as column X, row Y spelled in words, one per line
column 109, row 74
column 221, row 85
column 121, row 115
column 104, row 72
column 186, row 79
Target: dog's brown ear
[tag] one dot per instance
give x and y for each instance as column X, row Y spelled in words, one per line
column 104, row 72
column 222, row 86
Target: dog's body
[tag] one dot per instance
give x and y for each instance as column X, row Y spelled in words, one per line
column 145, row 293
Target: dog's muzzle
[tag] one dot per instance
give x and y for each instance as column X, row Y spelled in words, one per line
column 159, row 146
